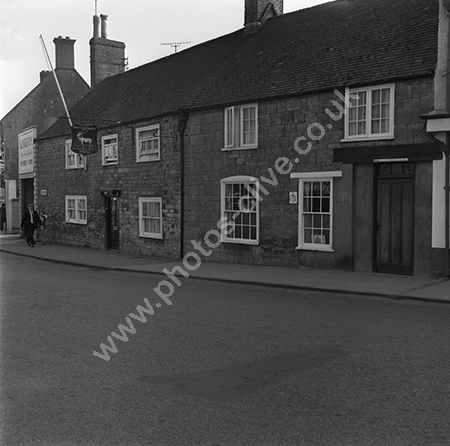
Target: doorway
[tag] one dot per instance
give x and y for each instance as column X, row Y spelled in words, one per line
column 112, row 223
column 395, row 218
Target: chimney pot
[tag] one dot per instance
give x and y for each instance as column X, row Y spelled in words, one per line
column 103, row 19
column 96, row 26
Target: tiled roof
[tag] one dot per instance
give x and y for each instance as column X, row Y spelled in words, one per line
column 336, row 44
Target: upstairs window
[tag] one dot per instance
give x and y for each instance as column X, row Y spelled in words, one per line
column 110, row 150
column 74, row 160
column 370, row 113
column 241, row 127
column 148, row 144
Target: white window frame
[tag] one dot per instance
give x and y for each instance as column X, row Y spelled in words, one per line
column 228, row 213
column 234, row 127
column 74, row 160
column 148, row 234
column 369, row 134
column 156, row 137
column 304, row 177
column 78, row 210
column 108, row 145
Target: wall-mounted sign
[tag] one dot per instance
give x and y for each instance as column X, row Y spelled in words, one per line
column 44, row 192
column 26, row 150
column 292, row 197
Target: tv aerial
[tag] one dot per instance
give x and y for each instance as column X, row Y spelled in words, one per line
column 175, row 44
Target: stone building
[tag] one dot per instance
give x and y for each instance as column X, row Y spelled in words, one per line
column 43, row 106
column 35, row 113
column 307, row 130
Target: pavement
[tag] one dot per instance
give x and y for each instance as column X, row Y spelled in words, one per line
column 370, row 284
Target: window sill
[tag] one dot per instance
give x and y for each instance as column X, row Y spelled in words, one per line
column 71, row 222
column 153, row 237
column 148, row 161
column 368, row 138
column 315, row 248
column 228, row 149
column 241, row 242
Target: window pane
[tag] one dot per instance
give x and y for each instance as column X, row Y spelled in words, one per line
column 325, row 205
column 307, row 236
column 386, row 95
column 362, row 98
column 361, row 113
column 316, row 188
column 308, row 221
column 317, row 221
column 306, row 189
column 375, row 126
column 376, row 96
column 307, row 204
column 376, row 112
column 316, row 205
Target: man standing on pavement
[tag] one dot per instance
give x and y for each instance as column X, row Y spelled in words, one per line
column 30, row 220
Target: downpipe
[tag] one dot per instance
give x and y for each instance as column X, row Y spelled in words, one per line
column 183, row 118
column 446, row 4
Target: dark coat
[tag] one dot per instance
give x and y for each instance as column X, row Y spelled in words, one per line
column 26, row 222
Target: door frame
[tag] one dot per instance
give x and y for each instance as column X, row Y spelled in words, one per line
column 108, row 197
column 401, row 269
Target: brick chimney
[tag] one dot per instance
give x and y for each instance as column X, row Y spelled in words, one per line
column 256, row 11
column 64, row 52
column 107, row 56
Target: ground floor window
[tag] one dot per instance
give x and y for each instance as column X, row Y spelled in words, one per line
column 315, row 207
column 240, row 206
column 150, row 217
column 76, row 209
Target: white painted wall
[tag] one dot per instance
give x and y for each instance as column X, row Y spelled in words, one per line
column 438, row 230
column 440, row 105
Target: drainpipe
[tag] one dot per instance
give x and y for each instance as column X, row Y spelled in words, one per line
column 183, row 118
column 446, row 4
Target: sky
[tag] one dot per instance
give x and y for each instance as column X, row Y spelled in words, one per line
column 143, row 25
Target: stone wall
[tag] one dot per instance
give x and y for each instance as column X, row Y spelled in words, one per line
column 134, row 180
column 281, row 122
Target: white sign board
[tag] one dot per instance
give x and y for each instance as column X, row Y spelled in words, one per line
column 26, row 150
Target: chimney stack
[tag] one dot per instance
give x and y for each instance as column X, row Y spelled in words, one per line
column 64, row 52
column 43, row 74
column 256, row 11
column 107, row 56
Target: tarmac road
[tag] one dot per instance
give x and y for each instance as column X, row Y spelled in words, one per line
column 223, row 365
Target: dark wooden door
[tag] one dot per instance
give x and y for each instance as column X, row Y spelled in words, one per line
column 112, row 223
column 395, row 218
